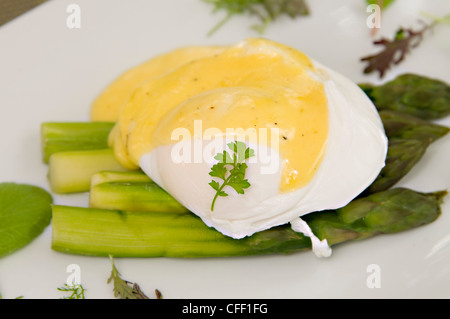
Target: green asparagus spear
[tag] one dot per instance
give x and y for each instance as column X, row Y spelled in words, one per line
column 119, row 177
column 387, row 212
column 409, row 138
column 71, row 172
column 62, row 137
column 402, row 156
column 100, row 232
column 134, row 196
column 404, row 126
column 426, row 98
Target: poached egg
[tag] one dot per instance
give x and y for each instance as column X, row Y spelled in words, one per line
column 317, row 139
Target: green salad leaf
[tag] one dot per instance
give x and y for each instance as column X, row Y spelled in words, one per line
column 400, row 45
column 25, row 211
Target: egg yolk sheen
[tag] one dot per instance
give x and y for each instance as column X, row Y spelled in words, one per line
column 255, row 84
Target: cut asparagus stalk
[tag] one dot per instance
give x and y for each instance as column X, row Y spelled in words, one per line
column 71, row 172
column 119, row 176
column 133, row 196
column 63, row 137
column 100, row 232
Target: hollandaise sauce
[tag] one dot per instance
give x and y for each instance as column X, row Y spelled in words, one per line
column 257, row 84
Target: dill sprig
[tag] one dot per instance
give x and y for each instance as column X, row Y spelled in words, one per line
column 76, row 290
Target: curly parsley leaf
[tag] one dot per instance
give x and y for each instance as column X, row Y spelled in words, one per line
column 266, row 10
column 235, row 177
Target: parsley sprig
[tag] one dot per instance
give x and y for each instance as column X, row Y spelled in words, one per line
column 235, row 177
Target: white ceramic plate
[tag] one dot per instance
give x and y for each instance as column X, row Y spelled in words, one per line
column 50, row 72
